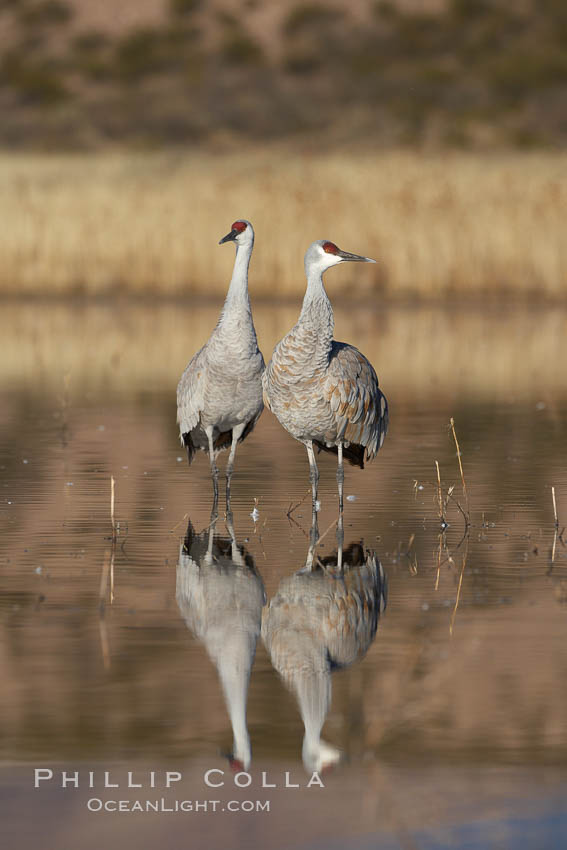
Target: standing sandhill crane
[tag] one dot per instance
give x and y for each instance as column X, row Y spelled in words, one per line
column 322, row 618
column 325, row 393
column 220, row 596
column 219, row 396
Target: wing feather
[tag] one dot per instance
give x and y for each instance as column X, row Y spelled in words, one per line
column 352, row 390
column 191, row 393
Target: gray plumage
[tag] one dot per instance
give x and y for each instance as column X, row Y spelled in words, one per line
column 220, row 596
column 320, row 620
column 325, row 393
column 219, row 396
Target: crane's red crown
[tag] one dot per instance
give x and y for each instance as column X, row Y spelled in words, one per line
column 330, row 248
column 240, row 226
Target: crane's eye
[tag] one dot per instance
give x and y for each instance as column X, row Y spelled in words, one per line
column 330, row 248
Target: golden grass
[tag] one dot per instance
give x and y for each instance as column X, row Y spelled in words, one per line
column 149, row 223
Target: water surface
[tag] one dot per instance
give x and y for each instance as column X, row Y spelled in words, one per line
column 450, row 717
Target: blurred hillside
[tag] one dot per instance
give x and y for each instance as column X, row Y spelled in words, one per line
column 77, row 74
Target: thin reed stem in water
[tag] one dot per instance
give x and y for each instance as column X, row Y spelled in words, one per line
column 465, row 494
column 293, row 507
column 177, row 524
column 112, row 507
column 440, row 497
column 322, row 537
column 112, row 575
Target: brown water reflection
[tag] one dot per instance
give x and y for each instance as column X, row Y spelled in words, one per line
column 86, row 679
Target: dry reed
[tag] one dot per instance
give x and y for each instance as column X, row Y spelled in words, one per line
column 440, row 500
column 439, row 553
column 149, row 223
column 464, row 486
column 556, row 530
column 113, row 523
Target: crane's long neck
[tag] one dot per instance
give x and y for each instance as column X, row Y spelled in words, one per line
column 237, row 303
column 314, row 697
column 234, row 668
column 316, row 322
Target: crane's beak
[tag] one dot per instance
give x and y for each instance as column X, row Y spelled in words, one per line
column 230, row 237
column 354, row 258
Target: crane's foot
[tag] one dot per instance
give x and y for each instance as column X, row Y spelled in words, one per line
column 321, row 758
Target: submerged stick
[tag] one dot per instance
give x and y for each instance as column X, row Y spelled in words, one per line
column 555, row 535
column 553, row 549
column 332, row 525
column 177, row 524
column 112, row 575
column 466, row 516
column 104, row 577
column 293, row 507
column 457, row 600
column 439, row 553
column 104, row 643
column 454, row 614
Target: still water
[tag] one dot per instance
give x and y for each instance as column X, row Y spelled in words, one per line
column 438, row 719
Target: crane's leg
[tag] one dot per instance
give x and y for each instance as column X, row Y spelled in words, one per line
column 313, row 540
column 236, row 435
column 340, row 541
column 313, row 471
column 212, row 526
column 230, row 528
column 340, row 475
column 214, row 467
column 314, row 532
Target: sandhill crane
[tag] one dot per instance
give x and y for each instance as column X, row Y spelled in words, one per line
column 220, row 595
column 325, row 393
column 322, row 618
column 219, row 396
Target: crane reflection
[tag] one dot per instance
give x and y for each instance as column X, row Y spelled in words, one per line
column 323, row 618
column 220, row 595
